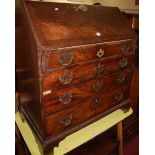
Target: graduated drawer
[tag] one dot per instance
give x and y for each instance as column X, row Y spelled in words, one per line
column 77, row 55
column 73, row 75
column 76, row 94
column 92, row 106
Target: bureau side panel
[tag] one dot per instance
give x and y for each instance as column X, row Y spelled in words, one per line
column 27, row 71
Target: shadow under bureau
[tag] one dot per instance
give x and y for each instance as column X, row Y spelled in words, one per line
column 74, row 67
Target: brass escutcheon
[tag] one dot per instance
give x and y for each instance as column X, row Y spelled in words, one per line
column 80, row 7
column 66, row 78
column 66, row 98
column 100, row 53
column 65, row 58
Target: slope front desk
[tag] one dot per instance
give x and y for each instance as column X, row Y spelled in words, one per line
column 77, row 67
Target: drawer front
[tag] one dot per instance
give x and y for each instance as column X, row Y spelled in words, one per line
column 73, row 116
column 130, row 129
column 74, row 95
column 73, row 75
column 71, row 56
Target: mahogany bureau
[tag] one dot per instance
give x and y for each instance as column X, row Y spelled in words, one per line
column 74, row 67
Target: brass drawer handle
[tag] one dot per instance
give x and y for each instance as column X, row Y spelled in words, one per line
column 96, row 103
column 65, row 59
column 121, row 78
column 66, row 78
column 99, row 69
column 119, row 96
column 125, row 48
column 123, row 62
column 66, row 120
column 66, row 98
column 97, row 86
column 100, row 53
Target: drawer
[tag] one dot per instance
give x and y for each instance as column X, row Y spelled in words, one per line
column 130, row 129
column 71, row 117
column 77, row 55
column 80, row 73
column 74, row 95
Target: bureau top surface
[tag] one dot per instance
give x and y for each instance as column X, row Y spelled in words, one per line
column 59, row 25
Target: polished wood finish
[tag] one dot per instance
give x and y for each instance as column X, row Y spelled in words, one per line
column 131, row 124
column 87, row 54
column 84, row 72
column 78, row 111
column 120, row 137
column 27, row 69
column 76, row 66
column 83, row 91
column 54, row 30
